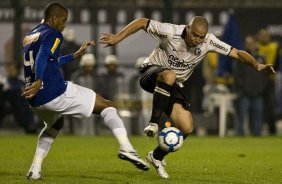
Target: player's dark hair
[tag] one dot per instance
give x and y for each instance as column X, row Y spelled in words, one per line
column 53, row 9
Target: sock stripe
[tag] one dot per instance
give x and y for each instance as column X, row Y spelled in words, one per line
column 145, row 76
column 165, row 94
column 162, row 91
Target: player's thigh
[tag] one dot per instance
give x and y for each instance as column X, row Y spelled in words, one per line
column 101, row 104
column 182, row 118
column 49, row 117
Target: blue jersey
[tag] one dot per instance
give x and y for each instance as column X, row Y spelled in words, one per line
column 41, row 48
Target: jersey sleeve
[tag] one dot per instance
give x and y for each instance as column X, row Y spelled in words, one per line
column 49, row 44
column 160, row 31
column 217, row 45
column 66, row 59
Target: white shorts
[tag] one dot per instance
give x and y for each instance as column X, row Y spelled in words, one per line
column 76, row 101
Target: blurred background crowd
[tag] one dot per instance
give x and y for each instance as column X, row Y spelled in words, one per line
column 227, row 97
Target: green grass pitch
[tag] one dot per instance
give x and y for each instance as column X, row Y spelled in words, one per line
column 72, row 159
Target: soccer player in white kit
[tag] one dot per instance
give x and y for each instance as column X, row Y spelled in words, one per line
column 180, row 49
column 50, row 96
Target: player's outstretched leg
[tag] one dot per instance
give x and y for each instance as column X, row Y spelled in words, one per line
column 45, row 140
column 161, row 101
column 156, row 158
column 126, row 152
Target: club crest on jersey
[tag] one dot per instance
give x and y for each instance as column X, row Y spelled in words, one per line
column 197, row 51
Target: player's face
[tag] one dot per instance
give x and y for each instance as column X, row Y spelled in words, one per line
column 60, row 21
column 195, row 35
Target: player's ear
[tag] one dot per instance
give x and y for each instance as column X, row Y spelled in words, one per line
column 54, row 19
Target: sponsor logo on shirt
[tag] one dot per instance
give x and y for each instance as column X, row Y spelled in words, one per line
column 31, row 38
column 218, row 46
column 176, row 63
column 157, row 34
column 197, row 51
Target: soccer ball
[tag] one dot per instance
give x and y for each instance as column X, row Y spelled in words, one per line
column 170, row 139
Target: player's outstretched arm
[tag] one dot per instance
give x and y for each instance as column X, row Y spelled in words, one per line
column 245, row 57
column 82, row 50
column 112, row 39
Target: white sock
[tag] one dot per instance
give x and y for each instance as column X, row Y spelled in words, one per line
column 113, row 121
column 121, row 135
column 43, row 147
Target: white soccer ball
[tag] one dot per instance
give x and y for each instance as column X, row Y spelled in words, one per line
column 170, row 139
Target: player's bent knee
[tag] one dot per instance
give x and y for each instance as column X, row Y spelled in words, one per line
column 101, row 104
column 58, row 124
column 167, row 76
column 187, row 129
column 50, row 132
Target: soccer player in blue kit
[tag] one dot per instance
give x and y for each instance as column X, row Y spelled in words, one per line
column 50, row 96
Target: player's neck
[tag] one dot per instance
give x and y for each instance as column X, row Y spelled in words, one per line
column 50, row 25
column 184, row 36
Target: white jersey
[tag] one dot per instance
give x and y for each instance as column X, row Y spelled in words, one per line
column 173, row 53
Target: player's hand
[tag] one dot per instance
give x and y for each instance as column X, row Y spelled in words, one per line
column 31, row 91
column 108, row 39
column 81, row 51
column 261, row 67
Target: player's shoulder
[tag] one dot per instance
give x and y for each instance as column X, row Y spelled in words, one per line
column 165, row 25
column 49, row 32
column 179, row 29
column 168, row 29
column 211, row 36
column 211, row 39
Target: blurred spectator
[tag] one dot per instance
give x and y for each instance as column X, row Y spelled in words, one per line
column 113, row 88
column 232, row 36
column 9, row 50
column 69, row 46
column 270, row 50
column 278, row 84
column 113, row 80
column 250, row 85
column 12, row 102
column 134, row 87
column 210, row 67
column 86, row 76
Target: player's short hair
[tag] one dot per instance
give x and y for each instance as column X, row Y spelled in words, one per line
column 199, row 21
column 53, row 9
